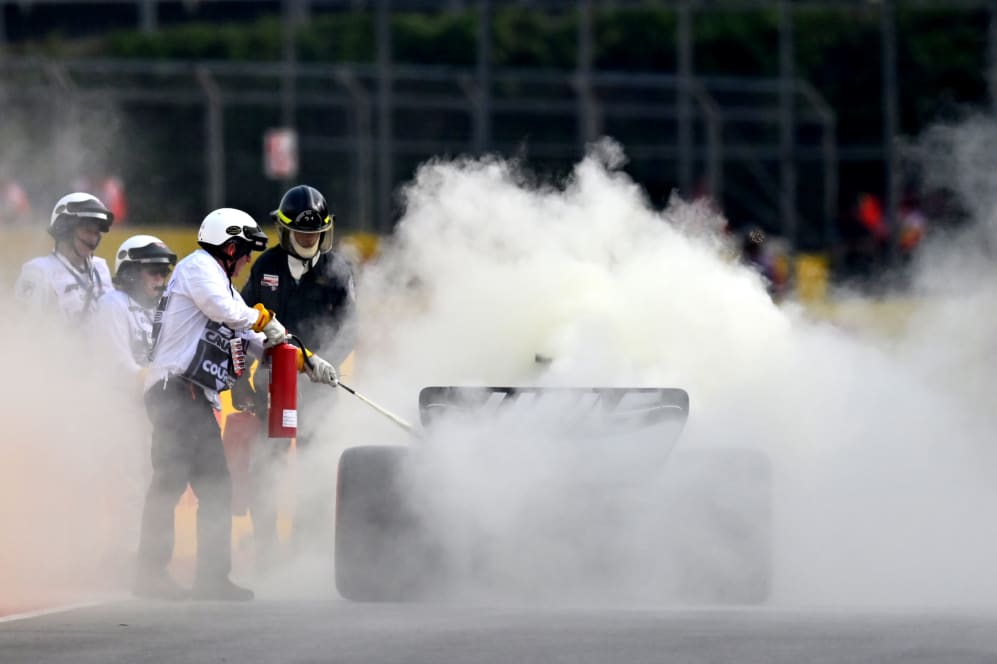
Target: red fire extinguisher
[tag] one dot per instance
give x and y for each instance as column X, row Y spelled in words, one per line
column 283, row 416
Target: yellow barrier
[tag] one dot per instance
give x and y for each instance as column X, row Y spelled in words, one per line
column 22, row 244
column 812, row 276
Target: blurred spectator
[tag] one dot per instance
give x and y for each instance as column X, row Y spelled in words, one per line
column 870, row 214
column 772, row 266
column 111, row 190
column 912, row 223
column 867, row 235
column 15, row 208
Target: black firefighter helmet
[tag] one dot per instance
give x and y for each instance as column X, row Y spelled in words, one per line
column 303, row 210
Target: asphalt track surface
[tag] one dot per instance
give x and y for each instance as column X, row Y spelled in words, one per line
column 338, row 631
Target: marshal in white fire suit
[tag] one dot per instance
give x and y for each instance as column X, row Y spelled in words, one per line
column 192, row 360
column 52, row 283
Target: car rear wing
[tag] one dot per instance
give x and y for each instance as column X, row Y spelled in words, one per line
column 594, row 410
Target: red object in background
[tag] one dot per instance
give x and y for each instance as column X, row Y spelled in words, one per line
column 282, row 419
column 870, row 214
column 240, row 430
column 112, row 194
column 280, row 153
column 15, row 208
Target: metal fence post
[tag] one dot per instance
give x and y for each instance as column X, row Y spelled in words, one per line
column 3, row 44
column 684, row 96
column 891, row 122
column 61, row 79
column 588, row 122
column 483, row 101
column 787, row 126
column 215, row 129
column 385, row 108
column 829, row 155
column 991, row 56
column 147, row 18
column 714, row 143
column 363, row 157
column 288, row 81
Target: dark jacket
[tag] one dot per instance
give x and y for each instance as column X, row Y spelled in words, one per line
column 320, row 309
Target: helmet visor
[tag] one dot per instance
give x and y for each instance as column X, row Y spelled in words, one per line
column 91, row 210
column 306, row 221
column 151, row 253
column 256, row 238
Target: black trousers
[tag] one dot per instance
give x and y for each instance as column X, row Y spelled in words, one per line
column 186, row 449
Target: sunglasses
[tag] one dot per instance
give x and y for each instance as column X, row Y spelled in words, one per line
column 157, row 270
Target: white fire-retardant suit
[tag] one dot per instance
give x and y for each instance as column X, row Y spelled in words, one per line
column 52, row 283
column 128, row 330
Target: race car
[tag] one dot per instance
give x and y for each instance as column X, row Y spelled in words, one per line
column 559, row 494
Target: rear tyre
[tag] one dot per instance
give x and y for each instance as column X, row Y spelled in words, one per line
column 381, row 547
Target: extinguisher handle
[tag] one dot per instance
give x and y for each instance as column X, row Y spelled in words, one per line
column 304, row 351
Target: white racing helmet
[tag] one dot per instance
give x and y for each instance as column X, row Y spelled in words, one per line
column 227, row 227
column 142, row 250
column 75, row 208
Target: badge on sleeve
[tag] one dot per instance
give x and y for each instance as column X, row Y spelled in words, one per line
column 271, row 280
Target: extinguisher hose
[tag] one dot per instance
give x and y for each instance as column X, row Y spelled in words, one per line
column 380, row 409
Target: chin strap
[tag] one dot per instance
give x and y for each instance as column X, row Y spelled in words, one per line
column 299, row 267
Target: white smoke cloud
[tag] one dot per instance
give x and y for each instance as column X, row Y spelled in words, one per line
column 74, row 457
column 880, row 496
column 879, row 452
column 73, row 461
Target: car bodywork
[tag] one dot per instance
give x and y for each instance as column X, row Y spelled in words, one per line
column 577, row 492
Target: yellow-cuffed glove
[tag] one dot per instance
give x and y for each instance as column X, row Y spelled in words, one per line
column 302, row 354
column 268, row 324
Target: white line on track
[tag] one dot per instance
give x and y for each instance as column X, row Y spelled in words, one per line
column 58, row 609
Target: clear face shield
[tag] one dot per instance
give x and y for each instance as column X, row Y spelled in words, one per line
column 306, row 245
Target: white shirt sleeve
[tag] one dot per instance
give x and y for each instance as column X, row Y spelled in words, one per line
column 33, row 287
column 218, row 300
column 114, row 324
